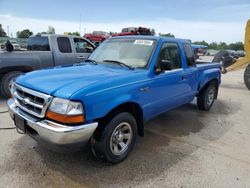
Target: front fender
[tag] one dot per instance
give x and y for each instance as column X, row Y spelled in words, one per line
column 99, row 106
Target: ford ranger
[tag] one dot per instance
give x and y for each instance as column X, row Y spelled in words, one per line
column 106, row 99
column 43, row 51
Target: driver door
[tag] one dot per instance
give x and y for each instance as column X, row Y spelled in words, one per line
column 83, row 49
column 168, row 87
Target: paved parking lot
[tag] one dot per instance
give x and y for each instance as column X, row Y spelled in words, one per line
column 181, row 148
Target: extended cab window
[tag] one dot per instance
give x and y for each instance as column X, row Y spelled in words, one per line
column 170, row 54
column 38, row 43
column 82, row 46
column 64, row 45
column 189, row 55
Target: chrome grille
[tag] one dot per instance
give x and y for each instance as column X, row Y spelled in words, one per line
column 30, row 101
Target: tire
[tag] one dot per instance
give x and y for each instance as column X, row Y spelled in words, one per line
column 112, row 145
column 206, row 97
column 6, row 81
column 247, row 77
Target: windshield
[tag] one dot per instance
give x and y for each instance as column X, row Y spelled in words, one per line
column 132, row 52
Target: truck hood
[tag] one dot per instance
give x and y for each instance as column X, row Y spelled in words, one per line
column 65, row 81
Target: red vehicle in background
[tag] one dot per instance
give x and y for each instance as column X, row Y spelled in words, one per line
column 97, row 36
column 133, row 31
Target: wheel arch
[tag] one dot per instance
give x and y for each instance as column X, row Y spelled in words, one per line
column 204, row 86
column 131, row 107
column 6, row 70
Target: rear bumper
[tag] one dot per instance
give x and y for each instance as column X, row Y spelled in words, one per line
column 50, row 132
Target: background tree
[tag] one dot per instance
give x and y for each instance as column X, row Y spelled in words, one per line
column 236, row 46
column 74, row 33
column 111, row 33
column 213, row 45
column 201, row 43
column 51, row 30
column 153, row 32
column 26, row 33
column 2, row 32
column 222, row 45
column 166, row 35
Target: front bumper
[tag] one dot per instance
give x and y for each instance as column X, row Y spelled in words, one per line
column 51, row 132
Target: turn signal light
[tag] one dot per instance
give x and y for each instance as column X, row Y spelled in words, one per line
column 67, row 119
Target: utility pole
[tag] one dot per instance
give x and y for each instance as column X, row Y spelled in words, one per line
column 80, row 25
column 8, row 30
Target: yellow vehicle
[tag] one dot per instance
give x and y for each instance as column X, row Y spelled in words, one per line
column 232, row 64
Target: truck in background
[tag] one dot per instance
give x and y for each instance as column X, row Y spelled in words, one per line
column 97, row 36
column 43, row 51
column 133, row 31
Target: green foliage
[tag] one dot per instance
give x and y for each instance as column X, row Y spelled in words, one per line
column 51, row 30
column 201, row 43
column 2, row 32
column 74, row 33
column 26, row 33
column 236, row 46
column 153, row 32
column 166, row 35
column 222, row 45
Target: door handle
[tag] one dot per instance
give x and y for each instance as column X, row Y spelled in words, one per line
column 144, row 89
column 81, row 57
column 183, row 77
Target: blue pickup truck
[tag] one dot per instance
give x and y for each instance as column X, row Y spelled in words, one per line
column 106, row 99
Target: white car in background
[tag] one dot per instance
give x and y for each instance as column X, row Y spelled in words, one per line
column 16, row 46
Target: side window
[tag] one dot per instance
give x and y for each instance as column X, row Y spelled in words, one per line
column 82, row 46
column 189, row 55
column 170, row 54
column 38, row 43
column 64, row 45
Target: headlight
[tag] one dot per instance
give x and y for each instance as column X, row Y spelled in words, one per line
column 63, row 106
column 65, row 111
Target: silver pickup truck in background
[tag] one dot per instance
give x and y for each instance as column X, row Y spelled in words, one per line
column 42, row 51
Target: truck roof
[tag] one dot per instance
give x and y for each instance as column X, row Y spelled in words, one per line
column 54, row 35
column 153, row 38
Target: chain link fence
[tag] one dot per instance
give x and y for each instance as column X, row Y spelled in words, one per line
column 22, row 42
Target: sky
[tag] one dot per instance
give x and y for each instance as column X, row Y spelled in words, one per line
column 209, row 20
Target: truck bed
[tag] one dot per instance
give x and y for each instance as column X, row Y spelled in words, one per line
column 207, row 65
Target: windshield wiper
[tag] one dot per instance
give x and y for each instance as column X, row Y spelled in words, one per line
column 119, row 63
column 91, row 61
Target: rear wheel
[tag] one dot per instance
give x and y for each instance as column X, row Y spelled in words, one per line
column 247, row 77
column 6, row 82
column 116, row 140
column 206, row 97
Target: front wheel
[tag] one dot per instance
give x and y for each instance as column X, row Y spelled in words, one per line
column 116, row 140
column 247, row 77
column 206, row 97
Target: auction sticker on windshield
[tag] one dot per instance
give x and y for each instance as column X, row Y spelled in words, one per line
column 144, row 42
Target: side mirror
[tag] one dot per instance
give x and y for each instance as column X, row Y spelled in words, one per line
column 166, row 65
column 89, row 49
